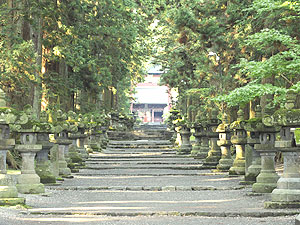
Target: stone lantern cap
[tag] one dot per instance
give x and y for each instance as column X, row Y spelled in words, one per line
column 288, row 116
column 201, row 119
column 239, row 124
column 62, row 124
column 26, row 122
column 224, row 127
column 212, row 124
column 213, row 119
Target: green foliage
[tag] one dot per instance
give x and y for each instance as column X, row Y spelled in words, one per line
column 243, row 95
column 87, row 46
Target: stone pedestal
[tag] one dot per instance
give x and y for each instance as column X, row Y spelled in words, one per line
column 87, row 144
column 226, row 160
column 224, row 142
column 80, row 145
column 43, row 165
column 204, row 148
column 76, row 161
column 54, row 161
column 238, row 167
column 267, row 179
column 63, row 143
column 104, row 137
column 95, row 142
column 186, row 147
column 255, row 167
column 197, row 146
column 287, row 192
column 29, row 182
column 239, row 140
column 214, row 154
column 8, row 190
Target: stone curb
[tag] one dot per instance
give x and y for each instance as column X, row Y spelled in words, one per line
column 147, row 188
column 171, row 213
column 281, row 205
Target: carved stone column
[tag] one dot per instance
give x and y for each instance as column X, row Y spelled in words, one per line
column 43, row 165
column 8, row 190
column 214, row 154
column 239, row 139
column 224, row 142
column 29, row 182
column 267, row 179
column 186, row 147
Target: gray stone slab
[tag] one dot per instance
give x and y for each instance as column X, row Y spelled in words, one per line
column 144, row 167
column 138, row 156
column 140, row 142
column 214, row 203
column 140, row 172
column 141, row 220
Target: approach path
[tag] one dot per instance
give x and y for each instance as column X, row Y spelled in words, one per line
column 144, row 182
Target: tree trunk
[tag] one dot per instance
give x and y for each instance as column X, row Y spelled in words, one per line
column 36, row 36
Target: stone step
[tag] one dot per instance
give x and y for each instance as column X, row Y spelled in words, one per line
column 138, row 153
column 138, row 156
column 144, row 167
column 138, row 150
column 140, row 163
column 145, row 188
column 140, row 146
column 144, row 160
column 141, row 142
column 141, row 172
column 205, row 180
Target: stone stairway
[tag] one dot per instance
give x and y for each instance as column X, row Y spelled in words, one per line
column 144, row 182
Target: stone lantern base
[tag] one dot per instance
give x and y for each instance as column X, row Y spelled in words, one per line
column 28, row 181
column 266, row 181
column 238, row 167
column 287, row 193
column 224, row 165
column 195, row 151
column 45, row 173
column 8, row 192
column 30, row 184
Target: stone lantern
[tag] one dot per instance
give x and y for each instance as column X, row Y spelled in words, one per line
column 287, row 192
column 8, row 190
column 81, row 136
column 61, row 139
column 214, row 154
column 95, row 134
column 267, row 179
column 186, row 147
column 76, row 161
column 27, row 126
column 224, row 142
column 198, row 136
column 43, row 165
column 251, row 126
column 174, row 115
column 239, row 140
column 204, row 147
